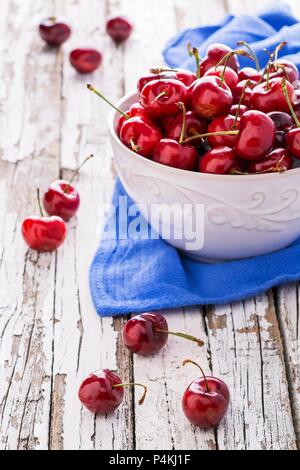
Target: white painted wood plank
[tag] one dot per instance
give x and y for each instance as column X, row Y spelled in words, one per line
column 30, row 134
column 247, row 353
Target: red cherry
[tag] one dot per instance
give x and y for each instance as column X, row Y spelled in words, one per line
column 292, row 142
column 205, row 401
column 151, row 77
column 214, row 54
column 230, row 76
column 219, row 161
column 283, row 123
column 85, row 60
column 194, row 125
column 160, row 97
column 277, row 161
column 54, row 31
column 61, row 198
column 211, row 98
column 135, row 110
column 269, row 97
column 249, row 73
column 223, row 123
column 247, row 86
column 285, row 69
column 140, row 135
column 239, row 110
column 182, row 75
column 119, row 28
column 185, row 76
column 171, row 153
column 103, row 392
column 256, row 137
column 147, row 334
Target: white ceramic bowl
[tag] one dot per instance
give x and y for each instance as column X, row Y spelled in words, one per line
column 244, row 215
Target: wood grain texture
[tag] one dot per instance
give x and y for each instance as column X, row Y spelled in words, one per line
column 50, row 336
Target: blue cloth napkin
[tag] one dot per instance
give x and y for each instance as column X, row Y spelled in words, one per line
column 137, row 275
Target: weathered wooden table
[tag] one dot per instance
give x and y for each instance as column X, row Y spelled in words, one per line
column 50, row 336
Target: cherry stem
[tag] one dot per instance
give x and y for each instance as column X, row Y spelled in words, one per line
column 193, row 52
column 248, row 82
column 286, row 95
column 278, row 49
column 224, row 61
column 268, row 75
column 39, row 201
column 245, row 44
column 134, row 147
column 182, row 335
column 189, row 361
column 159, row 70
column 76, row 172
column 208, row 134
column 183, row 129
column 142, row 399
column 91, row 88
column 163, row 93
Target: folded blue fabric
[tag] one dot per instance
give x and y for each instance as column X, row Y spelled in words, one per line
column 136, row 275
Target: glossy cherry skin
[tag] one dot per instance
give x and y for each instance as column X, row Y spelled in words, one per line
column 203, row 408
column 277, row 160
column 169, row 152
column 61, row 199
column 290, row 72
column 223, row 123
column 256, row 137
column 140, row 333
column 231, row 77
column 283, row 123
column 218, row 161
column 211, row 99
column 271, row 99
column 136, row 110
column 97, row 394
column 239, row 89
column 249, row 73
column 85, row 60
column 292, row 141
column 165, row 105
column 194, row 125
column 144, row 134
column 119, row 28
column 150, row 77
column 44, row 233
column 214, row 54
column 240, row 109
column 185, row 76
column 54, row 31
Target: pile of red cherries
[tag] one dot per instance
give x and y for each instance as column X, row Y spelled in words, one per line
column 223, row 119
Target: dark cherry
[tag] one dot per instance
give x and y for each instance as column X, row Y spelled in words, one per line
column 206, row 400
column 230, row 76
column 147, row 334
column 283, row 123
column 247, row 86
column 85, row 60
column 214, row 54
column 211, row 97
column 268, row 96
column 140, row 135
column 171, row 153
column 102, row 392
column 219, row 161
column 194, row 125
column 278, row 160
column 226, row 122
column 119, row 28
column 161, row 97
column 54, row 31
column 249, row 73
column 256, row 137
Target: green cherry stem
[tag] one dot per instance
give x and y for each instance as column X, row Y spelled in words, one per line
column 240, row 104
column 189, row 361
column 182, row 335
column 92, row 89
column 208, row 134
column 183, row 129
column 39, row 201
column 251, row 51
column 159, row 70
column 142, row 399
column 193, row 52
column 76, row 172
column 289, row 103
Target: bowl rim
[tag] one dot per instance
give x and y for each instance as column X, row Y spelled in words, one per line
column 177, row 171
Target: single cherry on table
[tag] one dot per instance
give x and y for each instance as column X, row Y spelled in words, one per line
column 102, row 392
column 44, row 234
column 85, row 60
column 147, row 334
column 54, row 31
column 206, row 400
column 119, row 28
